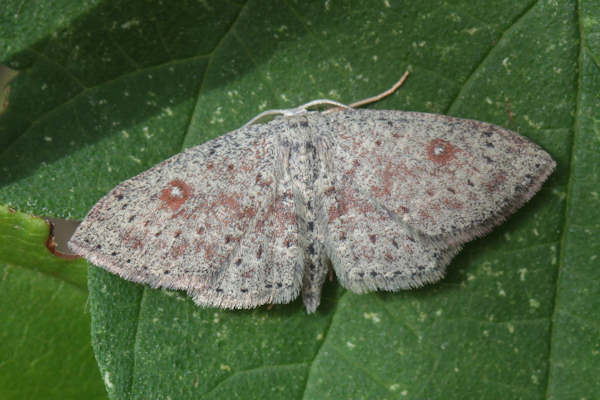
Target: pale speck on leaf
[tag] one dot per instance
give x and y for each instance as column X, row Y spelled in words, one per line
column 372, row 316
column 534, row 304
column 107, row 381
column 533, row 124
column 130, row 23
column 522, row 274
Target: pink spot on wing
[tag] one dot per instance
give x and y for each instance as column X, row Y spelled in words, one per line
column 179, row 250
column 452, row 203
column 175, row 194
column 132, row 239
column 441, row 151
column 494, row 184
column 247, row 212
column 183, row 213
column 393, row 175
column 337, row 210
column 262, row 182
column 348, row 202
column 229, row 202
column 368, row 252
column 425, row 216
column 202, row 246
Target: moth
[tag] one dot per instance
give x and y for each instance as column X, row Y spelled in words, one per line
column 260, row 215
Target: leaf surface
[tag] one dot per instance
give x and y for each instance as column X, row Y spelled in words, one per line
column 120, row 88
column 45, row 350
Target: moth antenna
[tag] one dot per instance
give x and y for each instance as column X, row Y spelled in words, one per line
column 336, row 106
column 382, row 95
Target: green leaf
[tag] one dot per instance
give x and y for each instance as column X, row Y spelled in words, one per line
column 22, row 25
column 45, row 350
column 127, row 84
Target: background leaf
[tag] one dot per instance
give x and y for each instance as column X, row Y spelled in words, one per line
column 123, row 85
column 45, row 350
